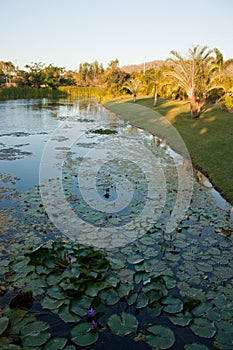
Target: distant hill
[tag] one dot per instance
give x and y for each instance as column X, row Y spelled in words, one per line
column 229, row 71
column 140, row 67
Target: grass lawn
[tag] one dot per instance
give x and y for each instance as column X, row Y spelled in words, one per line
column 208, row 139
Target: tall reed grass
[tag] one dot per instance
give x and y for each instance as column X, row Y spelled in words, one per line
column 85, row 92
column 28, row 92
column 72, row 92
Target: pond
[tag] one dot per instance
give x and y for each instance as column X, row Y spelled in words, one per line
column 87, row 260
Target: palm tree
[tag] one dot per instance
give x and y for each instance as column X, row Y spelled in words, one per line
column 193, row 74
column 156, row 80
column 133, row 86
column 222, row 65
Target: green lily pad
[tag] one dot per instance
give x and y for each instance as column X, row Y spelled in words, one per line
column 80, row 306
column 50, row 303
column 82, row 334
column 160, row 337
column 172, row 304
column 55, row 344
column 142, row 301
column 55, row 293
column 67, row 316
column 203, row 327
column 4, row 321
column 135, row 259
column 37, row 326
column 94, row 289
column 123, row 290
column 138, row 277
column 110, row 296
column 224, row 340
column 170, row 282
column 132, row 298
column 11, row 347
column 53, row 279
column 123, row 325
column 33, row 337
column 224, row 326
column 181, row 319
column 195, row 346
column 155, row 311
column 42, row 270
column 202, row 309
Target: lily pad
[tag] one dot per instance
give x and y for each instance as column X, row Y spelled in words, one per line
column 155, row 311
column 224, row 340
column 11, row 347
column 160, row 337
column 50, row 303
column 110, row 296
column 195, row 346
column 172, row 304
column 83, row 335
column 204, row 328
column 80, row 307
column 135, row 259
column 181, row 319
column 123, row 325
column 67, row 316
column 142, row 301
column 132, row 298
column 55, row 344
column 4, row 321
column 34, row 334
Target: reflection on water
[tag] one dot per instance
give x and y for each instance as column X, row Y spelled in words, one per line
column 199, row 259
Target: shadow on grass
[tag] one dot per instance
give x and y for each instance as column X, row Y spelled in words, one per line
column 208, row 139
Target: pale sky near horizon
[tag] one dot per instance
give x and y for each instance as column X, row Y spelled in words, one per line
column 69, row 32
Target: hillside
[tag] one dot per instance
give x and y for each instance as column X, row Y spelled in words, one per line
column 140, row 67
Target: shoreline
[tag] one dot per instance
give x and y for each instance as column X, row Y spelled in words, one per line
column 120, row 108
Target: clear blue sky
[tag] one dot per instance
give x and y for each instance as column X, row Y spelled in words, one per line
column 68, row 32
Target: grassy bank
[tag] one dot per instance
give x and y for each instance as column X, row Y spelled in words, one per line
column 209, row 139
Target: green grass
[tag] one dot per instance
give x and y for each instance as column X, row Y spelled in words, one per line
column 208, row 139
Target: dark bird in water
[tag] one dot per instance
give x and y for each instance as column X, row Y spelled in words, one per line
column 107, row 195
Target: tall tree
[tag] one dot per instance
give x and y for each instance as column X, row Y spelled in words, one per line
column 114, row 77
column 194, row 74
column 52, row 75
column 8, row 70
column 221, row 64
column 36, row 74
column 133, row 85
column 155, row 80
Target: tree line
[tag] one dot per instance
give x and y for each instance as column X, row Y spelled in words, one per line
column 201, row 76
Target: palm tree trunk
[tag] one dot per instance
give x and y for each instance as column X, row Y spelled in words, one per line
column 193, row 106
column 155, row 97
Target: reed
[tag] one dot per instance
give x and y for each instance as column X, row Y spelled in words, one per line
column 85, row 92
column 28, row 92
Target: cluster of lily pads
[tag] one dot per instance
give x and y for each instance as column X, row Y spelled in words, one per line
column 91, row 292
column 152, row 292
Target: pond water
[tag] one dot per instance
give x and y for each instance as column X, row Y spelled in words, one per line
column 77, row 181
